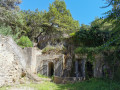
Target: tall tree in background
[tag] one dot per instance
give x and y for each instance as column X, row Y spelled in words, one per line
column 34, row 22
column 113, row 16
column 9, row 14
column 60, row 17
column 54, row 22
column 8, row 11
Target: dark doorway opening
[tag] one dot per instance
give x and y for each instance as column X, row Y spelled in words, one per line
column 51, row 69
column 89, row 70
column 80, row 68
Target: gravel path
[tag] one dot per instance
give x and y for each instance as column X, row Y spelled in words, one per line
column 22, row 88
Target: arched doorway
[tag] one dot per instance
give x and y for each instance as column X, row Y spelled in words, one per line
column 51, row 69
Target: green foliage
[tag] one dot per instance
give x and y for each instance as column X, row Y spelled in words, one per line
column 42, row 76
column 10, row 17
column 72, row 34
column 112, row 59
column 5, row 30
column 113, row 16
column 94, row 35
column 59, row 16
column 34, row 23
column 10, row 4
column 92, row 84
column 94, row 50
column 91, row 40
column 117, row 74
column 56, row 21
column 49, row 48
column 24, row 41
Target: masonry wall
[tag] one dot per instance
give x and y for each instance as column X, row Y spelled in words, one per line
column 12, row 61
column 43, row 64
column 30, row 61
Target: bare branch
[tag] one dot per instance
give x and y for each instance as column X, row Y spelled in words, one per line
column 108, row 4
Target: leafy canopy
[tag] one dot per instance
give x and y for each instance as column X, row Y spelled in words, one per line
column 60, row 17
column 56, row 21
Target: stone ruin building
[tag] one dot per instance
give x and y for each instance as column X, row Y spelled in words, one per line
column 68, row 66
column 64, row 66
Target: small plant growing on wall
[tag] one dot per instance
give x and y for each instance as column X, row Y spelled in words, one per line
column 24, row 41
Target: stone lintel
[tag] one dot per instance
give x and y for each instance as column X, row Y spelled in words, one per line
column 80, row 56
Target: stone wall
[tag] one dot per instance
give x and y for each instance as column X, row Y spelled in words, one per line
column 10, row 63
column 66, row 80
column 31, row 58
column 97, row 68
column 14, row 60
column 10, row 46
column 43, row 64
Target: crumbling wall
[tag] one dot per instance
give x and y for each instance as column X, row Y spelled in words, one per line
column 14, row 61
column 10, row 46
column 10, row 62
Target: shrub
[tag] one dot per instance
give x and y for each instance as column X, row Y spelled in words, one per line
column 48, row 48
column 56, row 49
column 24, row 41
column 5, row 30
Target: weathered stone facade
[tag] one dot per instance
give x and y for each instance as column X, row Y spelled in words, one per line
column 67, row 65
column 44, row 66
column 95, row 68
column 14, row 60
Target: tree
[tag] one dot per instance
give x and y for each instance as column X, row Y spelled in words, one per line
column 113, row 16
column 9, row 16
column 56, row 21
column 58, row 16
column 94, row 35
column 10, row 4
column 34, row 22
column 8, row 10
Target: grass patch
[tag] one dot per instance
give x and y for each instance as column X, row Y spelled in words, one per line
column 42, row 76
column 93, row 84
column 4, row 88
